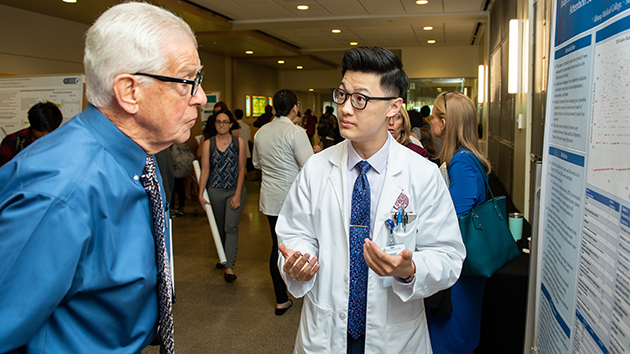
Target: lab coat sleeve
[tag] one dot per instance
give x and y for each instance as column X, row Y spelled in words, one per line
column 439, row 251
column 295, row 228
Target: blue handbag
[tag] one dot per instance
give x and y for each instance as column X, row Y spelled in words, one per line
column 485, row 232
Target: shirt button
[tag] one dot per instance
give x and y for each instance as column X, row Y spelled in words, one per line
column 345, row 277
column 342, row 316
column 136, row 177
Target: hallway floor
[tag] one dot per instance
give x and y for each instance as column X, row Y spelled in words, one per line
column 213, row 316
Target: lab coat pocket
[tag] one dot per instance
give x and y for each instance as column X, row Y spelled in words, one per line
column 409, row 337
column 315, row 326
column 406, row 236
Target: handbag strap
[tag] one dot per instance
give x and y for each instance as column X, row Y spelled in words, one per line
column 483, row 171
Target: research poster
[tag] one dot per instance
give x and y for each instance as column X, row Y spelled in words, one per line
column 19, row 94
column 584, row 267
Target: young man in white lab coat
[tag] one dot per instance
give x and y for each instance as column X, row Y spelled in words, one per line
column 321, row 257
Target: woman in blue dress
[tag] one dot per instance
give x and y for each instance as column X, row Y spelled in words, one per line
column 223, row 169
column 455, row 122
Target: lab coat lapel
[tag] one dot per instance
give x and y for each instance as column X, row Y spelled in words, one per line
column 338, row 176
column 390, row 192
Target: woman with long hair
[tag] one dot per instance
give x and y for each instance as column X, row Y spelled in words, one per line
column 223, row 169
column 400, row 129
column 455, row 122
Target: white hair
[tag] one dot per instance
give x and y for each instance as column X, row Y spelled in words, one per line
column 125, row 39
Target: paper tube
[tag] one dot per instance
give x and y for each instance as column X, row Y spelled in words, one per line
column 211, row 220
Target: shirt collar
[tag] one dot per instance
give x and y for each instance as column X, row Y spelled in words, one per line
column 378, row 161
column 125, row 151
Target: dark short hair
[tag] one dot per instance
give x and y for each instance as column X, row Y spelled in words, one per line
column 227, row 112
column 308, row 112
column 44, row 117
column 268, row 109
column 425, row 111
column 238, row 113
column 222, row 106
column 283, row 102
column 379, row 61
column 329, row 109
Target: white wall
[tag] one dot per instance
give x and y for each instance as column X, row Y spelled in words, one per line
column 441, row 62
column 35, row 44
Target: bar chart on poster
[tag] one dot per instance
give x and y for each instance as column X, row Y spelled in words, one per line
column 584, row 265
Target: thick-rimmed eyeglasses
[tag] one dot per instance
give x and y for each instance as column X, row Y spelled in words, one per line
column 196, row 82
column 358, row 100
column 222, row 122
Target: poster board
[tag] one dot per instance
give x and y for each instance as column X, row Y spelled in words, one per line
column 19, row 94
column 583, row 280
column 208, row 109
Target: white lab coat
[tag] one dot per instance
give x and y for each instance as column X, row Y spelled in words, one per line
column 314, row 220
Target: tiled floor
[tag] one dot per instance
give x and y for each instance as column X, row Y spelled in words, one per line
column 213, row 316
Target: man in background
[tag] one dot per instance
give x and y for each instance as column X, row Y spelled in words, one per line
column 44, row 117
column 84, row 264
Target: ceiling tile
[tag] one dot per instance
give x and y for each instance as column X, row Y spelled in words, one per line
column 383, row 7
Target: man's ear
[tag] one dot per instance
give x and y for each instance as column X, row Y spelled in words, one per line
column 127, row 91
column 395, row 107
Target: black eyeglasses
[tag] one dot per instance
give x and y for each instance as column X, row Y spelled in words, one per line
column 358, row 100
column 196, row 82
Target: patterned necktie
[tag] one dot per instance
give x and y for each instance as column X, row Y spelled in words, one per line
column 359, row 231
column 165, row 305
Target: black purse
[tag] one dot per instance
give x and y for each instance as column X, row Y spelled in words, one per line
column 485, row 232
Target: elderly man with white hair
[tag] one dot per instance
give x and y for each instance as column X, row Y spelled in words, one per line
column 84, row 265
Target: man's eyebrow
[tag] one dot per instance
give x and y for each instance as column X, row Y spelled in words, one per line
column 358, row 89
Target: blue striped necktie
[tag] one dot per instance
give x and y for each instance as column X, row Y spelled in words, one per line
column 359, row 231
column 165, row 304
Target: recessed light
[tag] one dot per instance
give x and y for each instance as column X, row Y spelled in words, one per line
column 311, row 89
column 249, row 52
column 70, row 1
column 280, row 61
column 431, row 41
column 302, row 7
column 354, row 43
column 427, row 28
column 336, row 31
column 422, row 2
column 299, row 67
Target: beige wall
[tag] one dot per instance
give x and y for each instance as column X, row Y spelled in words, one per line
column 441, row 62
column 35, row 44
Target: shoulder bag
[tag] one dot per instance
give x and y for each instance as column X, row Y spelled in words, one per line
column 486, row 235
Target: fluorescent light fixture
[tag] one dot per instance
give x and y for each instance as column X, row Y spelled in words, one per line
column 336, row 31
column 311, row 90
column 302, row 7
column 299, row 67
column 427, row 28
column 354, row 43
column 70, row 1
column 480, row 83
column 280, row 61
column 431, row 41
column 515, row 56
column 249, row 52
column 422, row 2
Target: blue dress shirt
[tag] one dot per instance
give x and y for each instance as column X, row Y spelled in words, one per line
column 77, row 255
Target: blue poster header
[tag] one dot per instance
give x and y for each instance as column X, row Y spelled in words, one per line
column 612, row 204
column 577, row 45
column 625, row 216
column 576, row 16
column 567, row 156
column 613, row 29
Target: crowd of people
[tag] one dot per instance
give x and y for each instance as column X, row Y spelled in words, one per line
column 88, row 250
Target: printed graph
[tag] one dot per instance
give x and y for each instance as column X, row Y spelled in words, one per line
column 609, row 145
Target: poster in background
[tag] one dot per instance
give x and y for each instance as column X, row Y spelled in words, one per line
column 584, row 267
column 208, row 109
column 19, row 94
